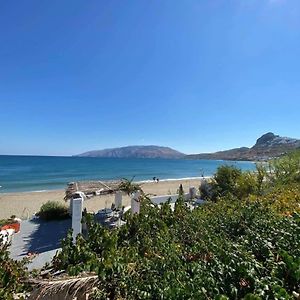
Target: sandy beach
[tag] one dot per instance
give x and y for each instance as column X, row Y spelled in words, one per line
column 25, row 204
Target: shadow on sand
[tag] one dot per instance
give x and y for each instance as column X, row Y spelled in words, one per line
column 47, row 235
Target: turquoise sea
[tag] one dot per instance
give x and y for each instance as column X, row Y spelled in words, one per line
column 36, row 173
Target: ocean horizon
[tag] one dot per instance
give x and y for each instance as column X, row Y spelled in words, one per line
column 40, row 173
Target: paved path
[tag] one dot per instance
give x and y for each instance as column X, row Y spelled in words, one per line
column 39, row 237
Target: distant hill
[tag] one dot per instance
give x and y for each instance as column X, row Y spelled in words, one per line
column 267, row 146
column 232, row 154
column 136, row 152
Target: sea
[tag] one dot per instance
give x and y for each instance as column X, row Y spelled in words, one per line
column 40, row 173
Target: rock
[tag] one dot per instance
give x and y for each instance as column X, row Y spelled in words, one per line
column 264, row 139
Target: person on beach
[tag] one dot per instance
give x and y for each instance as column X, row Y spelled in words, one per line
column 154, row 178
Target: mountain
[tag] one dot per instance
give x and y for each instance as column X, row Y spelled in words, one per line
column 232, row 154
column 136, row 152
column 267, row 146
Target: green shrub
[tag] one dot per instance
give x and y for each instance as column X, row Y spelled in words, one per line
column 226, row 177
column 12, row 274
column 53, row 210
column 226, row 249
column 285, row 170
column 247, row 184
column 224, row 182
column 230, row 182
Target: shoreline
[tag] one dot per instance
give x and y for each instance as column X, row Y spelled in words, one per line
column 25, row 204
column 138, row 181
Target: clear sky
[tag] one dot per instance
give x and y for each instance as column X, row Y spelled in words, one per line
column 195, row 75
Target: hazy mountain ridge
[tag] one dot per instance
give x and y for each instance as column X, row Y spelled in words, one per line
column 267, row 146
column 136, row 152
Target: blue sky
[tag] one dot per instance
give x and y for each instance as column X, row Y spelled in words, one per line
column 197, row 76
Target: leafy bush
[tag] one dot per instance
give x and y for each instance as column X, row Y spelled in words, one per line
column 53, row 210
column 283, row 200
column 230, row 181
column 225, row 178
column 285, row 170
column 225, row 250
column 12, row 275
